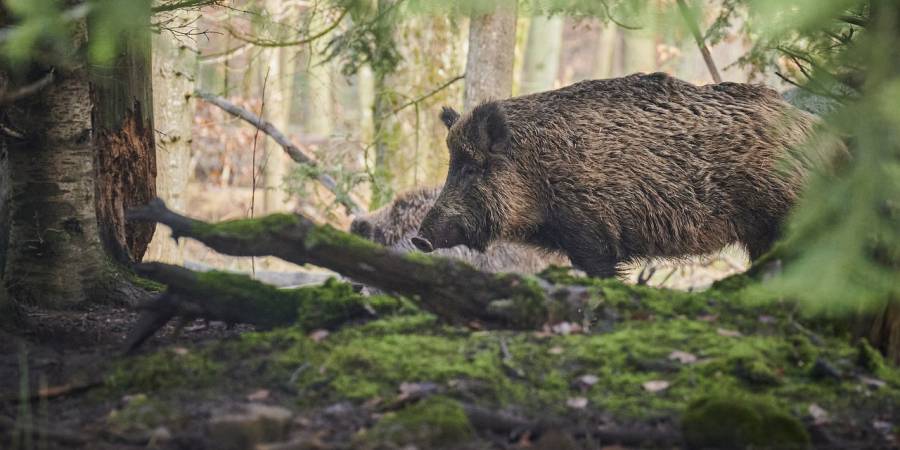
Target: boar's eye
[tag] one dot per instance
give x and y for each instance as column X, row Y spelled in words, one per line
column 467, row 170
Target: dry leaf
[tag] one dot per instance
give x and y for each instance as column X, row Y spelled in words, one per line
column 577, row 402
column 656, row 385
column 319, row 335
column 258, row 395
column 682, row 357
column 728, row 333
column 588, row 380
column 818, row 414
column 556, row 350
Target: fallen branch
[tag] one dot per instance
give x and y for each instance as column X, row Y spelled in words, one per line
column 294, row 152
column 691, row 22
column 451, row 289
column 236, row 298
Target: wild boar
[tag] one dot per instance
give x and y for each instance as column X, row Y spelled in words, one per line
column 394, row 225
column 624, row 169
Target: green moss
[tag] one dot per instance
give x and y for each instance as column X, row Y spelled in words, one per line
column 869, row 358
column 140, row 413
column 326, row 234
column 739, row 422
column 247, row 228
column 163, row 370
column 436, row 422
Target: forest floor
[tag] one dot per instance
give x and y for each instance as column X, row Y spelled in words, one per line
column 657, row 369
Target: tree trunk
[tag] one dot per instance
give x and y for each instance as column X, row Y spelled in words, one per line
column 174, row 79
column 542, row 54
column 384, row 124
column 53, row 256
column 124, row 143
column 489, row 63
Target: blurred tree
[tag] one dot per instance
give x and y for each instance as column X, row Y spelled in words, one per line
column 542, row 54
column 489, row 62
column 175, row 67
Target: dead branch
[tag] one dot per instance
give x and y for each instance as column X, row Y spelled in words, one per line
column 691, row 23
column 27, row 90
column 236, row 298
column 451, row 289
column 292, row 150
column 429, row 94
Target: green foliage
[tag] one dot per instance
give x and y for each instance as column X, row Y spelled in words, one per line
column 842, row 248
column 370, row 41
column 43, row 30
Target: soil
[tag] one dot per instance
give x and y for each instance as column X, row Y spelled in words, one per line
column 80, row 353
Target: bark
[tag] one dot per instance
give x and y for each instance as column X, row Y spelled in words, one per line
column 489, row 63
column 49, row 186
column 448, row 288
column 124, row 143
column 175, row 69
column 542, row 53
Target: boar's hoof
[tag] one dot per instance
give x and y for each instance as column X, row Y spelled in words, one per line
column 422, row 244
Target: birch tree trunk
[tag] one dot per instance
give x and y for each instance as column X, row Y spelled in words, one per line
column 489, row 63
column 542, row 54
column 175, row 68
column 53, row 254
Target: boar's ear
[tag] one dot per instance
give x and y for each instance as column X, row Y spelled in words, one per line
column 491, row 127
column 449, row 116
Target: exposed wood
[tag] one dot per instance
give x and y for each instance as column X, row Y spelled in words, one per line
column 691, row 23
column 448, row 288
column 292, row 150
column 123, row 130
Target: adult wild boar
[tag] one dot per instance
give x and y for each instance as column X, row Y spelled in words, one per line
column 618, row 170
column 394, row 225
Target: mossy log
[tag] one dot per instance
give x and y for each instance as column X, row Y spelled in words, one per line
column 236, row 298
column 451, row 289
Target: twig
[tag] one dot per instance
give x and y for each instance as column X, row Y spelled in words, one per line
column 691, row 22
column 27, row 90
column 253, row 173
column 855, row 20
column 429, row 94
column 304, row 41
column 182, row 4
column 294, row 152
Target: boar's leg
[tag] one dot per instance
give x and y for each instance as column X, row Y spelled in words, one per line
column 595, row 260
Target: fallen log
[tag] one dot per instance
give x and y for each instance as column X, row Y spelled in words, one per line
column 236, row 298
column 451, row 289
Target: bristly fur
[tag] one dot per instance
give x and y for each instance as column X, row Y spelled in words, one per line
column 617, row 170
column 394, row 224
column 449, row 116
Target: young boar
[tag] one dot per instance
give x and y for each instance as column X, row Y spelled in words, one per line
column 394, row 225
column 618, row 170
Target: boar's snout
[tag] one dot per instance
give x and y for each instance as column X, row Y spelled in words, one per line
column 424, row 245
column 438, row 232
